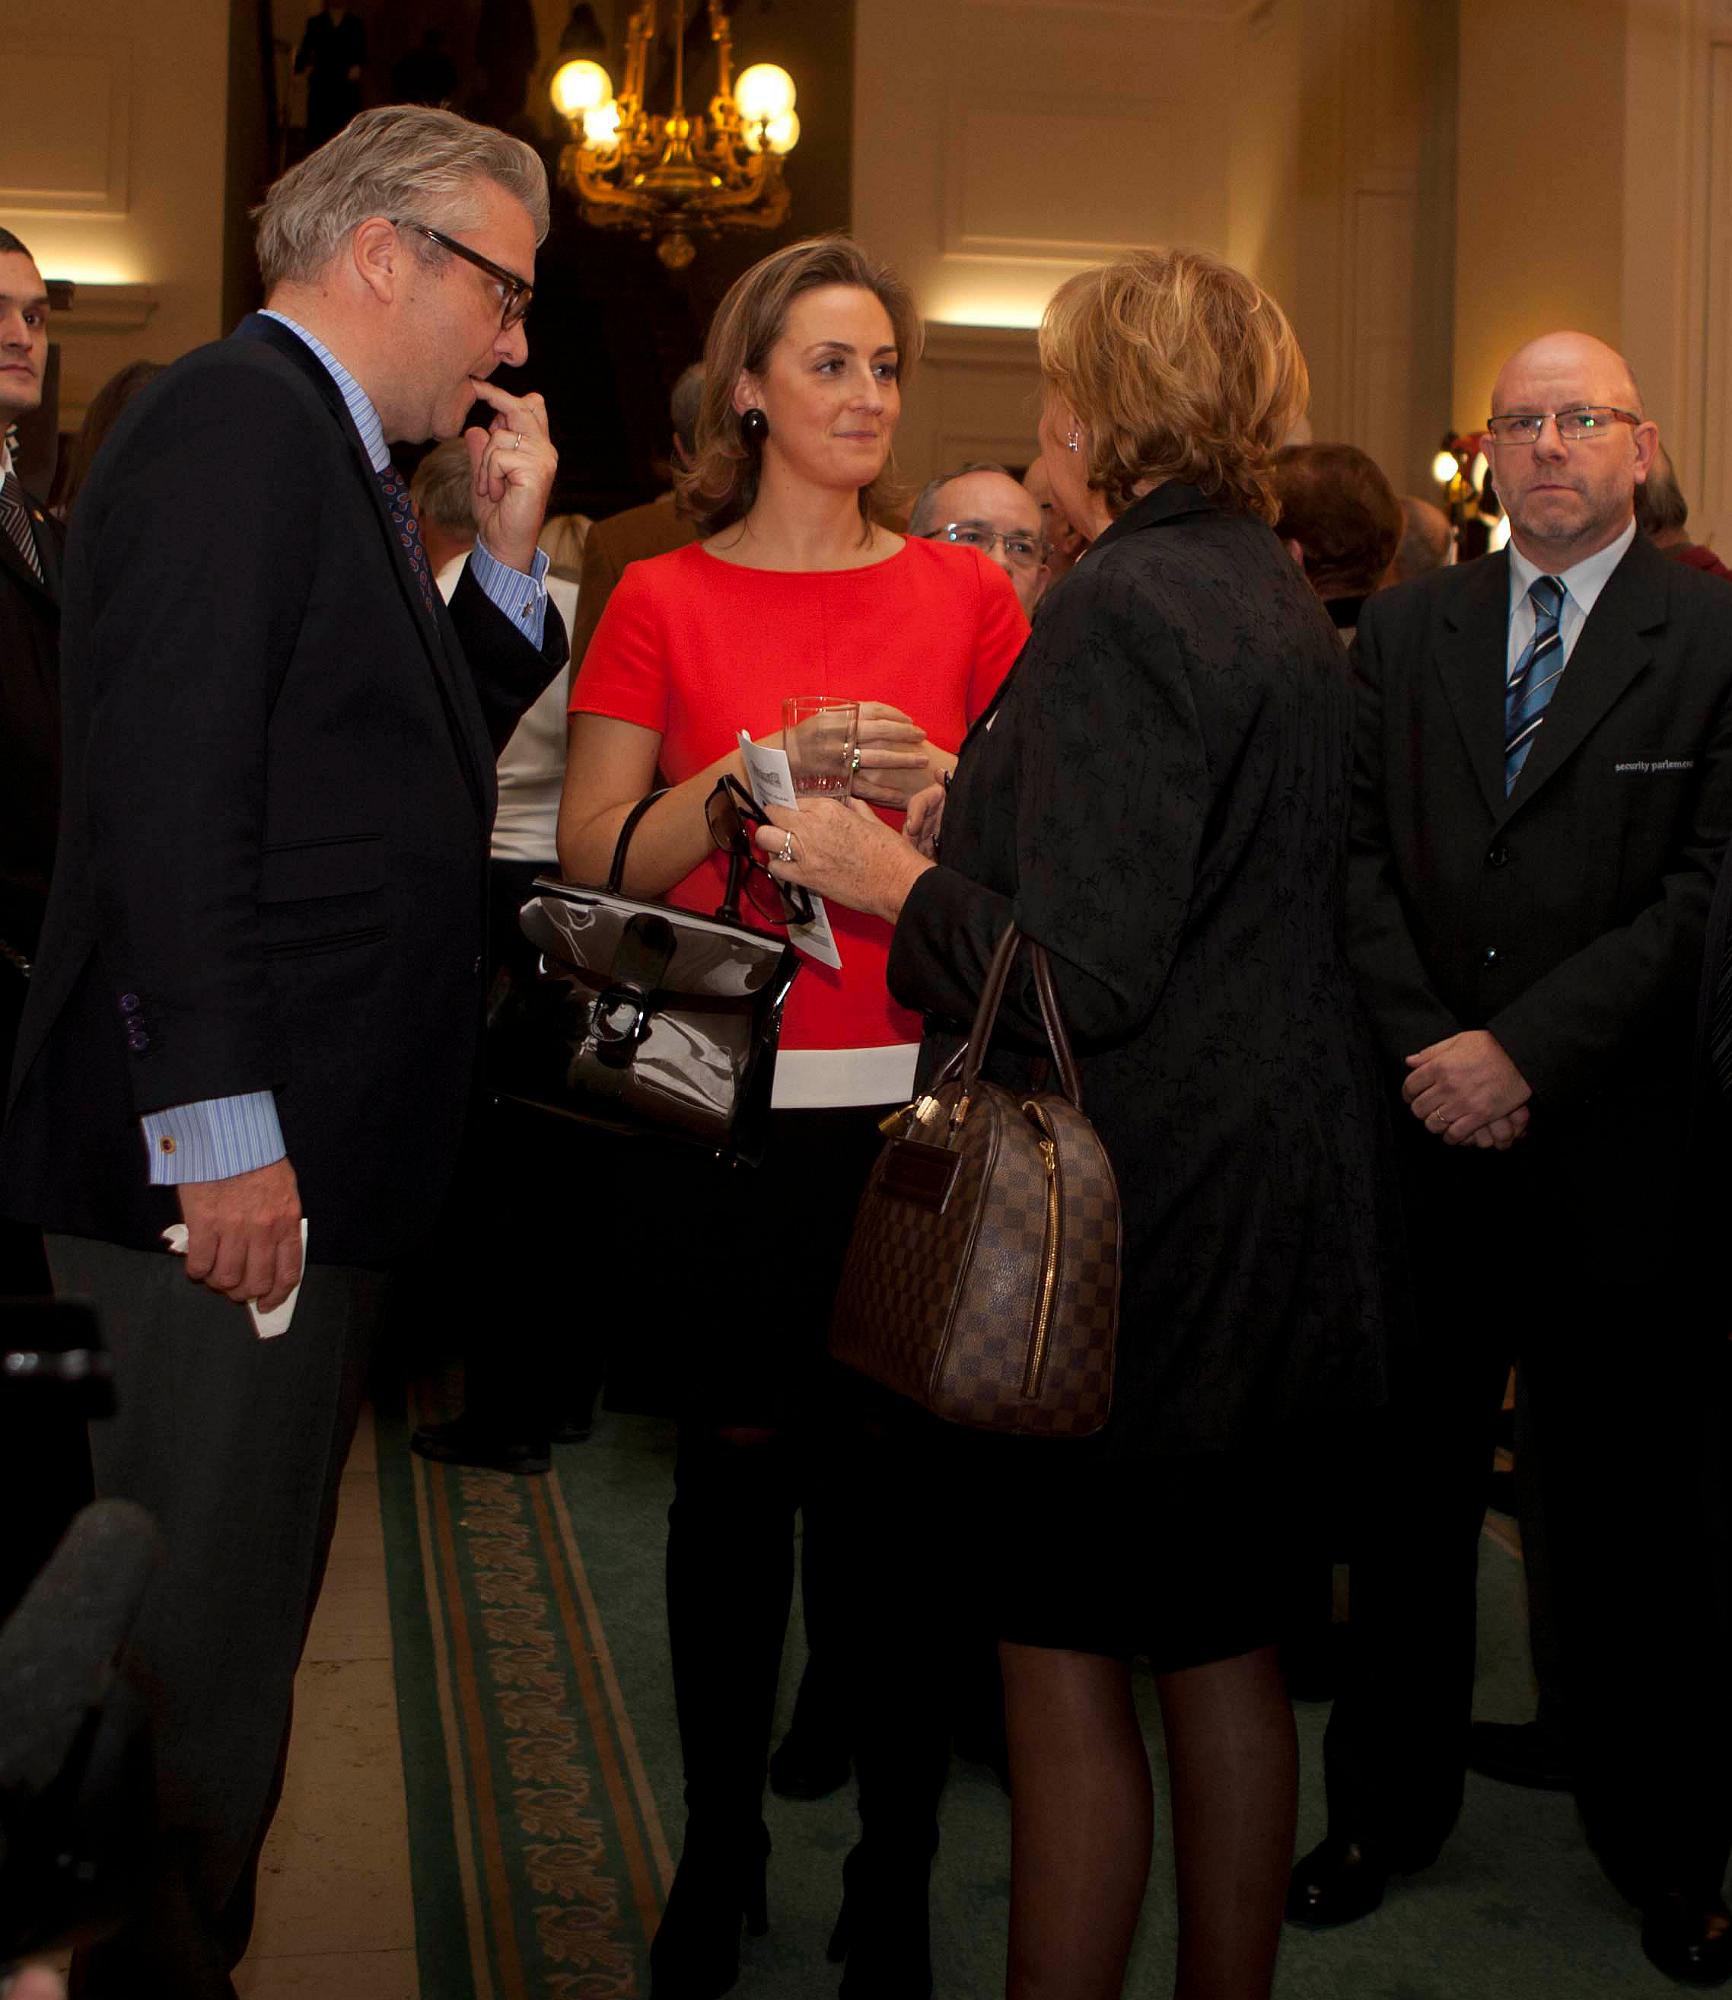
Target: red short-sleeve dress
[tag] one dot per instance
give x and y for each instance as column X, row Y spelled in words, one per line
column 698, row 649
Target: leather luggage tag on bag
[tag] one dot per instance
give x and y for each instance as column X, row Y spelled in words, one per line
column 922, row 1174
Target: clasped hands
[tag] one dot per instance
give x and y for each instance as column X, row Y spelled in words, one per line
column 1466, row 1091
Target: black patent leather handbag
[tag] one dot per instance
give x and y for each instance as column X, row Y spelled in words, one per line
column 641, row 1017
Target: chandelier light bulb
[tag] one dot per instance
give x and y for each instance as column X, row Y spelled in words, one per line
column 601, row 126
column 1444, row 467
column 764, row 93
column 774, row 135
column 579, row 88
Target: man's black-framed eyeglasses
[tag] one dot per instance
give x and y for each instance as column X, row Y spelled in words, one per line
column 731, row 813
column 517, row 292
column 1020, row 550
column 1584, row 420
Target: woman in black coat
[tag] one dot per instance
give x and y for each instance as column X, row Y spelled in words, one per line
column 1159, row 797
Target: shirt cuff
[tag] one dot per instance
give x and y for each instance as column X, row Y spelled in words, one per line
column 522, row 598
column 213, row 1139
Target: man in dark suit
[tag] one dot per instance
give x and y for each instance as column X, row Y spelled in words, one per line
column 259, row 991
column 31, row 544
column 1543, row 793
column 44, row 1476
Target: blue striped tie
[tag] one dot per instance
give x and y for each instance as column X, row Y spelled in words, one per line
column 1536, row 676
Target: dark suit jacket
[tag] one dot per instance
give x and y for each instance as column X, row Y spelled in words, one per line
column 1161, row 800
column 1567, row 918
column 278, row 789
column 29, row 728
column 640, row 532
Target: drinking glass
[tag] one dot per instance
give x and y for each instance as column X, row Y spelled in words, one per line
column 819, row 734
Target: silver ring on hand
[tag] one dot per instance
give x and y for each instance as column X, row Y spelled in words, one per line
column 787, row 849
column 1440, row 1119
column 855, row 765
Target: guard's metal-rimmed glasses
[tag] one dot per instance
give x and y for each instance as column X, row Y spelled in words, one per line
column 1583, row 420
column 731, row 813
column 518, row 291
column 1025, row 551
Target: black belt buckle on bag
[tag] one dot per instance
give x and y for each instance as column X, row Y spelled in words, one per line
column 622, row 1013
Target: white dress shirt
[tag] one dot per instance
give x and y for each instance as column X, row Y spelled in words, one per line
column 1582, row 584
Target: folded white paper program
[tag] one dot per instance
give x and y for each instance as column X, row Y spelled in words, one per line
column 266, row 1325
column 773, row 785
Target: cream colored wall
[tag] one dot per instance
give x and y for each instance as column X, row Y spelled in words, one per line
column 1540, row 208
column 111, row 169
column 1297, row 138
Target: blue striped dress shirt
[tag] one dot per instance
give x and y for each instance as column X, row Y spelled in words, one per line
column 220, row 1136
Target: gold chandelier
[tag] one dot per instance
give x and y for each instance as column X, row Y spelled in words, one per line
column 678, row 176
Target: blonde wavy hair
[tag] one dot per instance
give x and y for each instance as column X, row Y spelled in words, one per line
column 1178, row 367
column 721, row 484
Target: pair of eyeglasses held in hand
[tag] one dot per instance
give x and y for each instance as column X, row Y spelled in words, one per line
column 731, row 813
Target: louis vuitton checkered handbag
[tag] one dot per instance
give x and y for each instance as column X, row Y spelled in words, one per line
column 982, row 1280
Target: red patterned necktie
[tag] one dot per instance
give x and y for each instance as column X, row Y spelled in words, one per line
column 408, row 529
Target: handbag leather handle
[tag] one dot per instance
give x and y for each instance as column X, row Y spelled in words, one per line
column 1052, row 1020
column 1069, row 1076
column 616, row 873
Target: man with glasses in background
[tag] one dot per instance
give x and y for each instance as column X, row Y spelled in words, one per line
column 1542, row 796
column 254, row 1017
column 982, row 506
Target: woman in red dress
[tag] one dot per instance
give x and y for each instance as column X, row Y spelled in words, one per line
column 796, row 589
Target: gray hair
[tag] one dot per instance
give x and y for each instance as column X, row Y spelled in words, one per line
column 685, row 403
column 406, row 162
column 443, row 488
column 924, row 517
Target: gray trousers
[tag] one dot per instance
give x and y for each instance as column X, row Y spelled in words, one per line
column 236, row 1446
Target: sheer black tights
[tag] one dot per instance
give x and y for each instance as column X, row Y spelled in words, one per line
column 1082, row 1818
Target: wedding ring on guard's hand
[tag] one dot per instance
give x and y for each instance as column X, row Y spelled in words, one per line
column 820, row 733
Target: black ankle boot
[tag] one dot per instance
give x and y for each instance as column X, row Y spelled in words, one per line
column 883, row 1931
column 718, row 1886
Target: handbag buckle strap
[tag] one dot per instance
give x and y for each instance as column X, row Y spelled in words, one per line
column 621, row 1019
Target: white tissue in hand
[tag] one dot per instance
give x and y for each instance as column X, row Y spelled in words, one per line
column 266, row 1325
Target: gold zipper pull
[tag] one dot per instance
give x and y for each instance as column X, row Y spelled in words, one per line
column 1048, row 1277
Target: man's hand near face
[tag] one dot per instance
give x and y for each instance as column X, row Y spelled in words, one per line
column 514, row 462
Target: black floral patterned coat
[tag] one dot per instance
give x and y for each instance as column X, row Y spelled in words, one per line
column 1160, row 797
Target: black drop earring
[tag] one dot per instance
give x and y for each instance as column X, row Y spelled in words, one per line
column 754, row 427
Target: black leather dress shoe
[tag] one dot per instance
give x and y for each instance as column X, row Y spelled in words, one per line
column 1689, row 1938
column 1521, row 1753
column 1338, row 1882
column 1342, row 1880
column 462, row 1441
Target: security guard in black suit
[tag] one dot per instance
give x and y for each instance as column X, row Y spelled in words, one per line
column 44, row 1466
column 1543, row 794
